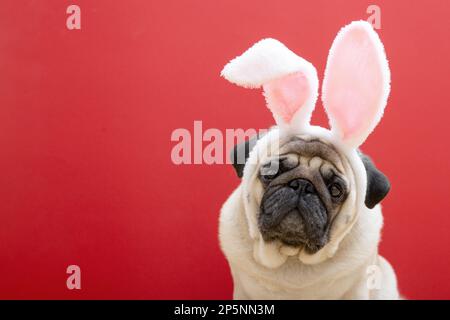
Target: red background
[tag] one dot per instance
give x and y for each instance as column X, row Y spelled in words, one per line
column 85, row 124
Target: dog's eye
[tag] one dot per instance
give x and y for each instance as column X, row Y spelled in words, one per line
column 266, row 178
column 269, row 171
column 335, row 190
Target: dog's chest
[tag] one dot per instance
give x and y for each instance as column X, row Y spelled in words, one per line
column 259, row 288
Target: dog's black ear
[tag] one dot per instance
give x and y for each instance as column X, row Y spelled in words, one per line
column 239, row 154
column 378, row 184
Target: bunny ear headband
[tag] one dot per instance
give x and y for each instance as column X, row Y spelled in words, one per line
column 355, row 87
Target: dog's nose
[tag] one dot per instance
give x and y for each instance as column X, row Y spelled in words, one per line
column 302, row 186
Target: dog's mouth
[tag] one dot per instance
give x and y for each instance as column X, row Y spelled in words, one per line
column 297, row 219
column 291, row 233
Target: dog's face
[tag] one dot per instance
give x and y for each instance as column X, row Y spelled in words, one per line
column 304, row 188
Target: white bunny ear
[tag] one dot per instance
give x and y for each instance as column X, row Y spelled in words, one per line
column 356, row 84
column 289, row 82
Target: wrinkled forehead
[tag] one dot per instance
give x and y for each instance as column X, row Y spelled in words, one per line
column 306, row 148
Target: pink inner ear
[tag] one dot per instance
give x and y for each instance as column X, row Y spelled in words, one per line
column 354, row 85
column 286, row 95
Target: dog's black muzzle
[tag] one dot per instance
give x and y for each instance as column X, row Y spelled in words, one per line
column 294, row 214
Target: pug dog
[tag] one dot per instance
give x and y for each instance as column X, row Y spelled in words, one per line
column 305, row 221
